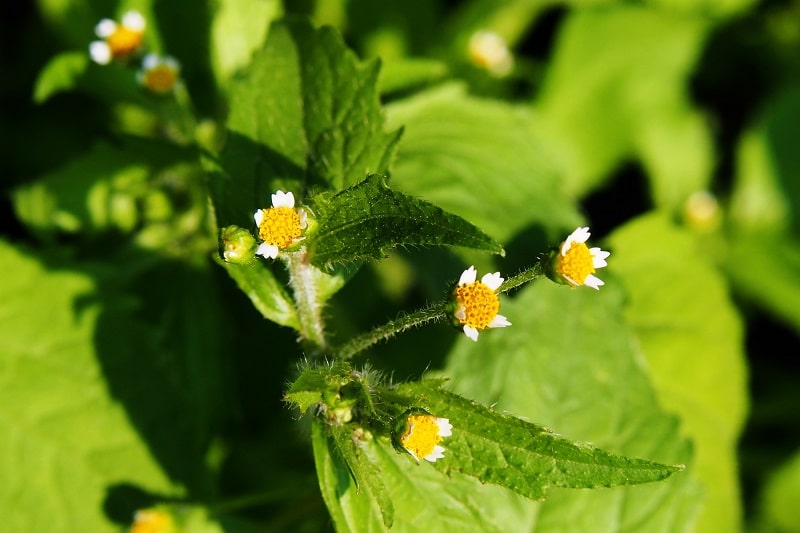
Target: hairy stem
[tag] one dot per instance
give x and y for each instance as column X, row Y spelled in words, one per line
column 432, row 313
column 309, row 308
column 526, row 276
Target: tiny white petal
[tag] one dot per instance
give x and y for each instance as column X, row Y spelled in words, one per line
column 283, row 199
column 499, row 321
column 105, row 28
column 445, row 427
column 133, row 20
column 437, row 453
column 599, row 257
column 150, row 61
column 468, row 276
column 493, row 281
column 579, row 235
column 593, row 282
column 258, row 216
column 267, row 250
column 303, row 218
column 471, row 332
column 461, row 312
column 100, row 52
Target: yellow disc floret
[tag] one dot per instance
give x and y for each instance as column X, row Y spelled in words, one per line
column 422, row 436
column 152, row 521
column 124, row 41
column 160, row 79
column 576, row 264
column 280, row 226
column 480, row 305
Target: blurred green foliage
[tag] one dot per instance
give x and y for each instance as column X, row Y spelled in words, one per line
column 135, row 372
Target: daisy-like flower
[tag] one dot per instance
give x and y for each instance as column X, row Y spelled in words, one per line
column 423, row 434
column 118, row 40
column 159, row 74
column 279, row 226
column 576, row 263
column 477, row 302
column 153, row 521
column 489, row 51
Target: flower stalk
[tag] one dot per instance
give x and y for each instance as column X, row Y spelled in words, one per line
column 303, row 280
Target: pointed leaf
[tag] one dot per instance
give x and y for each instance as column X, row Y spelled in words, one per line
column 258, row 282
column 369, row 219
column 304, row 114
column 524, row 457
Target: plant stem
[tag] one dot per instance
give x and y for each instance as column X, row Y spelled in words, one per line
column 306, row 298
column 432, row 313
column 526, row 276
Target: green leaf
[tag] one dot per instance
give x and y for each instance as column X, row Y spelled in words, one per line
column 694, row 347
column 65, row 441
column 61, row 73
column 470, row 155
column 368, row 219
column 304, row 115
column 269, row 296
column 778, row 505
column 765, row 269
column 365, row 474
column 570, row 363
column 601, row 105
column 521, row 456
column 238, row 29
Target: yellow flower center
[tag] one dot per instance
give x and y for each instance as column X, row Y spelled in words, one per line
column 421, row 436
column 152, row 521
column 577, row 264
column 124, row 41
column 479, row 302
column 161, row 78
column 280, row 226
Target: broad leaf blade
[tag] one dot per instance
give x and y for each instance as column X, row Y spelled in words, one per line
column 694, row 346
column 570, row 363
column 369, row 219
column 258, row 282
column 305, row 114
column 64, row 440
column 521, row 456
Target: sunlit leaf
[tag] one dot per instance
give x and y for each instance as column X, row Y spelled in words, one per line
column 369, row 219
column 693, row 345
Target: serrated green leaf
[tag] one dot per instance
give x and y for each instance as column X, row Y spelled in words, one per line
column 304, row 114
column 570, row 363
column 600, row 105
column 60, row 74
column 470, row 155
column 369, row 219
column 694, row 347
column 524, row 457
column 65, row 441
column 269, row 296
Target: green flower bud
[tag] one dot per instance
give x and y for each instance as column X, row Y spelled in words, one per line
column 237, row 245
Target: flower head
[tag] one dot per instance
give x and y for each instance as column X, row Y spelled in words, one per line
column 576, row 263
column 279, row 226
column 159, row 74
column 422, row 436
column 118, row 40
column 489, row 50
column 153, row 521
column 477, row 303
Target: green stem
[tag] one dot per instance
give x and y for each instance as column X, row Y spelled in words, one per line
column 306, row 298
column 526, row 276
column 432, row 313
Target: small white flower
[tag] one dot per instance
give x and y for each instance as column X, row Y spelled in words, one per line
column 490, row 51
column 577, row 262
column 423, row 435
column 279, row 226
column 159, row 74
column 477, row 302
column 117, row 40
